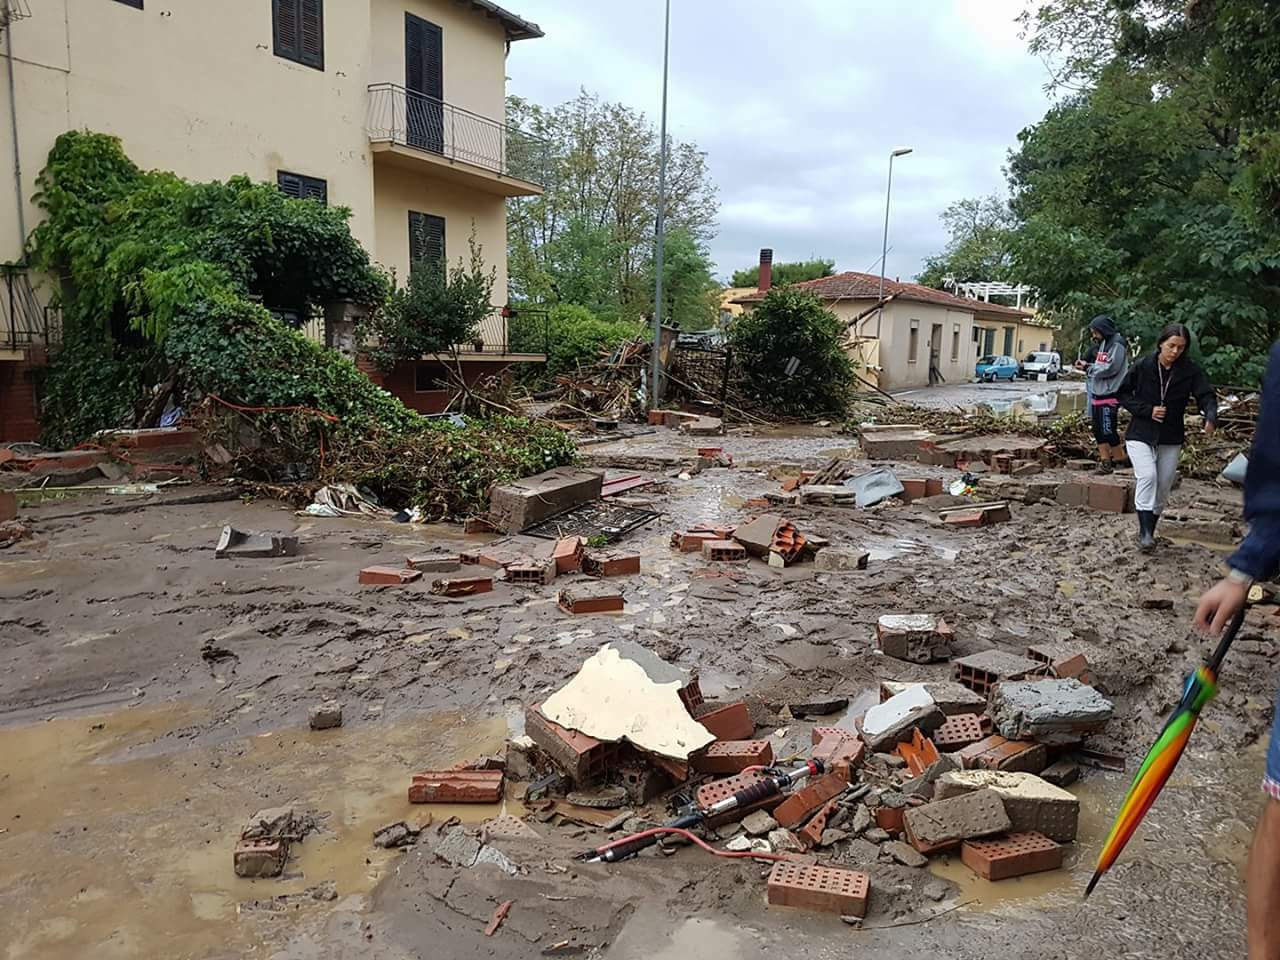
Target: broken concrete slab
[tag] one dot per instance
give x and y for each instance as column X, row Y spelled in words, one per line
column 905, row 854
column 874, row 486
column 520, row 504
column 840, row 559
column 249, row 544
column 758, row 823
column 756, row 536
column 393, row 835
column 945, row 824
column 1054, row 712
column 891, row 441
column 916, row 637
column 325, row 716
column 888, row 723
column 434, row 562
column 457, row 847
column 1031, row 802
column 951, row 697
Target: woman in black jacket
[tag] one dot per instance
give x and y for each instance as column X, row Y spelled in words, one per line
column 1156, row 391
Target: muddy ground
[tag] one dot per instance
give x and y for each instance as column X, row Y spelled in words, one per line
column 152, row 697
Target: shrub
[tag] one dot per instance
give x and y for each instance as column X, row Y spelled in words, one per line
column 575, row 337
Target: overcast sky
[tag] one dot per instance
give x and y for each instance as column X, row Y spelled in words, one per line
column 798, row 103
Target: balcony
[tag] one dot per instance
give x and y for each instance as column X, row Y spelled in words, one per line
column 422, row 133
column 519, row 336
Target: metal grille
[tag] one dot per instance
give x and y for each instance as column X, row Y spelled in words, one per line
column 23, row 320
column 598, row 518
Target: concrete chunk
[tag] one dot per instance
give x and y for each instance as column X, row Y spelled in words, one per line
column 1054, row 712
column 952, row 698
column 1031, row 802
column 917, row 637
column 520, row 504
column 248, row 544
column 840, row 559
column 944, row 824
column 888, row 723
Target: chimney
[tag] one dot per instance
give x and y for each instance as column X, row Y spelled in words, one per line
column 766, row 270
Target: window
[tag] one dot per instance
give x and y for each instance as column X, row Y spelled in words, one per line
column 136, row 4
column 426, row 239
column 913, row 345
column 955, row 343
column 298, row 29
column 302, row 187
column 430, row 376
column 1019, row 344
column 424, row 83
column 1008, row 339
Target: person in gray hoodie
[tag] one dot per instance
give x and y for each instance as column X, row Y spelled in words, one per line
column 1106, row 373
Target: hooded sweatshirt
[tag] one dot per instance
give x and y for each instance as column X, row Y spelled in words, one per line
column 1107, row 371
column 1259, row 554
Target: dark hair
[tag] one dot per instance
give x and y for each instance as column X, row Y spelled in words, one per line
column 1175, row 330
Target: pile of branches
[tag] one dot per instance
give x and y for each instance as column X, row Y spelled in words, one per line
column 442, row 468
column 611, row 388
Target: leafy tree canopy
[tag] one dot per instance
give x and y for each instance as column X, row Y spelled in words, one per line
column 790, row 349
column 785, row 273
column 980, row 245
column 690, row 292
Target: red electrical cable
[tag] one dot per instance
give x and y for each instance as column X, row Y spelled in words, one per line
column 235, row 406
column 731, row 854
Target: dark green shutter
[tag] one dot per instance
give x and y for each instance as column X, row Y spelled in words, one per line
column 298, row 28
column 426, row 238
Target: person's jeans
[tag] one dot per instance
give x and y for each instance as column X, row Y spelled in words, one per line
column 1154, row 470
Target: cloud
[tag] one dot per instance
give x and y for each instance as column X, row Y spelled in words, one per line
column 798, row 106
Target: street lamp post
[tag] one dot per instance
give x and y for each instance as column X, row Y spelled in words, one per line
column 655, row 386
column 884, row 247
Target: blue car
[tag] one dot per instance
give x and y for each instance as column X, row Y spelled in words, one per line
column 991, row 369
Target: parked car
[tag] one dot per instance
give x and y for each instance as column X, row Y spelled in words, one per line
column 1047, row 362
column 994, row 368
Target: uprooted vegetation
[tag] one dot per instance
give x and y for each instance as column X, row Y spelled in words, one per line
column 167, row 293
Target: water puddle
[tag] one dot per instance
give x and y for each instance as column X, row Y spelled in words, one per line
column 696, row 938
column 113, row 849
column 1037, row 406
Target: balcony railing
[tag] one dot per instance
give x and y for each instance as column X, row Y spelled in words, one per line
column 24, row 321
column 524, row 331
column 411, row 119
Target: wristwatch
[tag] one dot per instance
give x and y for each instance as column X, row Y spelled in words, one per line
column 1240, row 577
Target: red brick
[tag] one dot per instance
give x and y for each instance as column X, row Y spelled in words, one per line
column 967, row 518
column 582, row 757
column 611, row 564
column 997, row 753
column 723, row 550
column 656, row 418
column 478, row 525
column 710, row 451
column 811, row 833
column 919, row 753
column 721, row 533
column 818, row 734
column 1109, row 497
column 835, row 749
column 394, row 576
column 596, row 603
column 531, row 572
column 260, row 858
column 462, row 586
column 1073, row 494
column 958, row 731
column 913, row 488
column 890, row 819
column 8, row 505
column 804, row 801
column 932, row 486
column 1013, row 855
column 568, row 554
column 692, row 542
column 944, row 824
column 433, row 562
column 729, row 723
column 678, row 770
column 717, row 790
column 456, row 786
column 822, row 889
column 734, row 756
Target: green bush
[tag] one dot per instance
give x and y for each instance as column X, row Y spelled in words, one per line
column 790, row 326
column 574, row 336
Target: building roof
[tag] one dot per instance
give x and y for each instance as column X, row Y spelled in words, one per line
column 866, row 286
column 517, row 28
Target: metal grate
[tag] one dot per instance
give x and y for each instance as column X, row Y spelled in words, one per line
column 598, row 518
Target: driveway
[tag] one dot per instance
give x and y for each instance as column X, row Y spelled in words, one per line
column 1029, row 397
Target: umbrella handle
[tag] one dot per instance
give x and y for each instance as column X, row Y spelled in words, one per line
column 1228, row 636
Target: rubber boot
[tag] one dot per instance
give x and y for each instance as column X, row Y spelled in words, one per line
column 1146, row 531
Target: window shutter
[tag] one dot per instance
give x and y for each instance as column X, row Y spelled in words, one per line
column 284, row 17
column 290, row 184
column 423, row 57
column 301, row 187
column 311, row 32
column 315, row 189
column 426, row 238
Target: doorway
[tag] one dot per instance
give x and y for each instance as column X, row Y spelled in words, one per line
column 935, row 355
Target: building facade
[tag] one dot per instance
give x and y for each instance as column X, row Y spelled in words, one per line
column 919, row 336
column 393, row 108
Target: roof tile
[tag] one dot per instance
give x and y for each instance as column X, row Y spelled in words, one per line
column 866, row 286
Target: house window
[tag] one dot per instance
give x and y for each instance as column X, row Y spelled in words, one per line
column 297, row 27
column 1019, row 346
column 1008, row 340
column 136, row 4
column 426, row 239
column 302, row 187
column 428, row 377
column 955, row 343
column 913, row 345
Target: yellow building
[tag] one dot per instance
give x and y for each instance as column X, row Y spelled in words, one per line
column 393, row 108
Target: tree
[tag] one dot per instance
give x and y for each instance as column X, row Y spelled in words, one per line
column 790, row 349
column 785, row 273
column 439, row 308
column 589, row 237
column 690, row 292
column 574, row 336
column 980, row 231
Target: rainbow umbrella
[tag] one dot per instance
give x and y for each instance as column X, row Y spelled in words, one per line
column 1164, row 754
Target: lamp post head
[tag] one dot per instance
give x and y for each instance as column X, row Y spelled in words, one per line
column 901, row 152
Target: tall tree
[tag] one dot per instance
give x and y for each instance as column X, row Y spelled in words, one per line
column 601, row 190
column 784, row 273
column 980, row 231
column 690, row 291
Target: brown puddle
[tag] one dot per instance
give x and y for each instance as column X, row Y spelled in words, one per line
column 115, row 857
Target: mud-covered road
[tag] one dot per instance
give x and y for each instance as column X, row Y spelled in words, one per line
column 153, row 697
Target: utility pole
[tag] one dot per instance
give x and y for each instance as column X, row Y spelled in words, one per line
column 655, row 379
column 884, row 247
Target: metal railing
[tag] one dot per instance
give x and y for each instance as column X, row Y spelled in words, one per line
column 24, row 321
column 524, row 331
column 411, row 119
